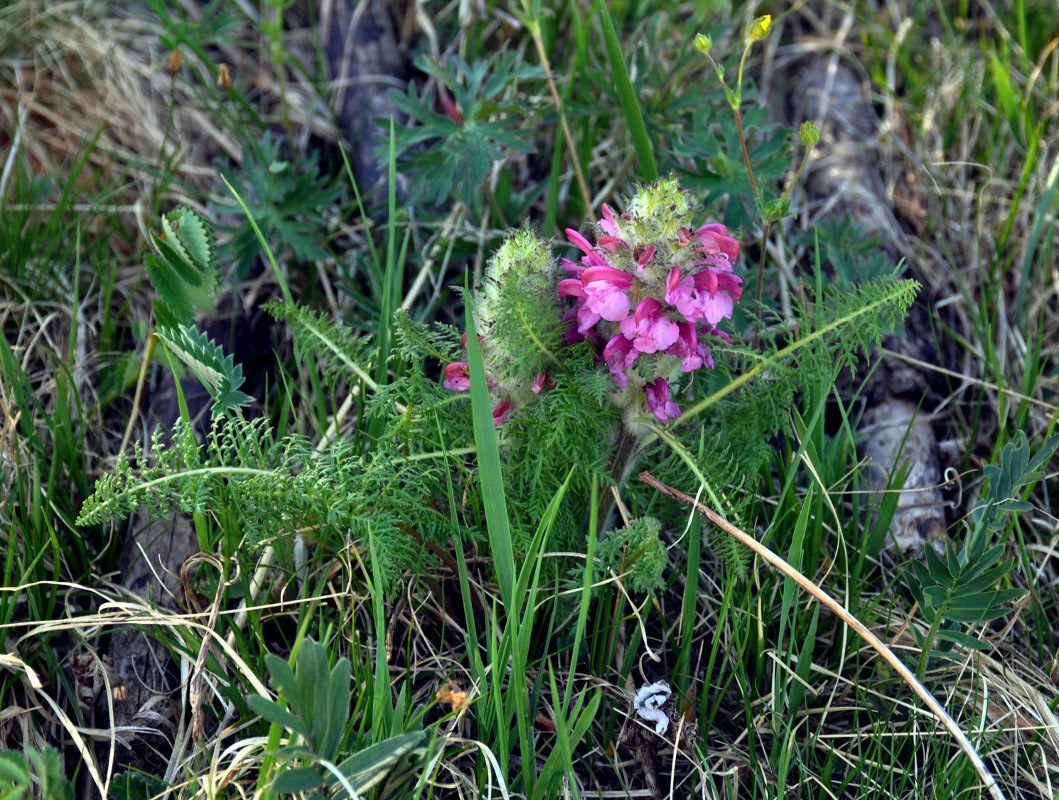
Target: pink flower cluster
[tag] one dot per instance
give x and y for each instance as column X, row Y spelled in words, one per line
column 651, row 298
column 648, row 294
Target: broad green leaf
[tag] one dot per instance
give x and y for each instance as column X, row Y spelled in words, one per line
column 370, row 766
column 297, row 779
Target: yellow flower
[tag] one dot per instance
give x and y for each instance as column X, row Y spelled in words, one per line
column 759, row 28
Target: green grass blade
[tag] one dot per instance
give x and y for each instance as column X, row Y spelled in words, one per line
column 630, row 106
column 489, row 472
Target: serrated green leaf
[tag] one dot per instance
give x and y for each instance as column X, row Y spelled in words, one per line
column 170, row 251
column 216, row 371
column 14, row 769
column 182, row 267
column 170, row 287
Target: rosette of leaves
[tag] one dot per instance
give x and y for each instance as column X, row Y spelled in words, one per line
column 452, row 154
column 316, row 717
column 287, row 199
column 964, row 587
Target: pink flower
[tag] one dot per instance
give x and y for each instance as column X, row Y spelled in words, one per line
column 602, row 295
column 605, row 288
column 608, row 224
column 658, row 402
column 680, row 292
column 689, row 349
column 457, row 377
column 578, row 240
column 620, row 355
column 538, row 383
column 501, row 413
column 714, row 240
column 649, row 330
column 709, row 295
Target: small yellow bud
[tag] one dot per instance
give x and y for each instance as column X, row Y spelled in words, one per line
column 703, row 43
column 759, row 28
column 808, row 134
column 224, row 77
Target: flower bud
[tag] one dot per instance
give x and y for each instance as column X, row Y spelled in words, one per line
column 659, row 209
column 703, row 43
column 808, row 134
column 176, row 61
column 224, row 77
column 759, row 28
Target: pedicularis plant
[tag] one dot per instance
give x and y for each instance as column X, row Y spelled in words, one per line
column 585, row 361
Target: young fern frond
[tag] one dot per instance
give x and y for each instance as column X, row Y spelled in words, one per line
column 416, row 343
column 336, row 347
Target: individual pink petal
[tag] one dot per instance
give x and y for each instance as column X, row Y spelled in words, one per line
column 608, row 223
column 646, row 258
column 538, row 383
column 571, row 287
column 727, row 282
column 721, row 334
column 716, row 308
column 578, row 240
column 457, row 376
column 618, row 278
column 573, row 269
column 501, row 413
column 612, row 244
column 587, row 317
column 706, row 281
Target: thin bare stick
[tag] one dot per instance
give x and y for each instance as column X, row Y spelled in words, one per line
column 888, row 655
column 575, row 161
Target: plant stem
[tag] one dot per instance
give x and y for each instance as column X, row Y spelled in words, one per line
column 575, row 160
column 746, row 155
column 626, row 449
